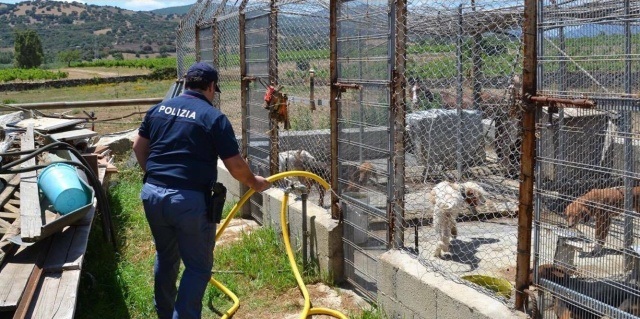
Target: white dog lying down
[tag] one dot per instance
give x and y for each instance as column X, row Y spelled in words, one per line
column 449, row 198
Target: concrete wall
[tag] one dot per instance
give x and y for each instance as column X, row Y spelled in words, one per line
column 325, row 234
column 407, row 290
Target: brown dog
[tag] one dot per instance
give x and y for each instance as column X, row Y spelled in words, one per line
column 601, row 204
column 616, row 294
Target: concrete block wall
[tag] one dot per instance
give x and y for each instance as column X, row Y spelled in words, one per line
column 406, row 290
column 234, row 191
column 325, row 234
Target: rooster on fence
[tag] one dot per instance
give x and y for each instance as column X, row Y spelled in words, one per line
column 277, row 104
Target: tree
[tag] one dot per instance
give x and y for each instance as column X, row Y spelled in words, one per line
column 28, row 49
column 118, row 56
column 69, row 56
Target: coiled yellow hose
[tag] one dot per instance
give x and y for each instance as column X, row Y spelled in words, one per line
column 307, row 310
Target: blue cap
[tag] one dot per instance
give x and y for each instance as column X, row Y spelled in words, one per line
column 201, row 71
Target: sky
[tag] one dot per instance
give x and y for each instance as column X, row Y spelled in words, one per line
column 135, row 5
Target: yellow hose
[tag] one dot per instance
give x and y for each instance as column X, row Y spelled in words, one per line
column 307, row 310
column 292, row 260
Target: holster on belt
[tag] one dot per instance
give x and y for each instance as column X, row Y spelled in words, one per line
column 215, row 205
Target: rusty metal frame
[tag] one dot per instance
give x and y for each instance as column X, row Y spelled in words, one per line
column 274, row 145
column 244, row 90
column 398, row 110
column 528, row 151
column 333, row 105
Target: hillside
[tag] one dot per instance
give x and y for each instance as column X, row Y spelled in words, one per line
column 180, row 10
column 95, row 30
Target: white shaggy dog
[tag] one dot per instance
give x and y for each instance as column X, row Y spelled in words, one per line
column 449, row 198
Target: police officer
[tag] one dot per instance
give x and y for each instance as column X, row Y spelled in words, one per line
column 178, row 145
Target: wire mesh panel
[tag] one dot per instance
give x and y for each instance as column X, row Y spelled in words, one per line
column 227, row 59
column 587, row 183
column 205, row 44
column 257, row 41
column 364, row 51
column 463, row 139
column 303, row 71
column 186, row 37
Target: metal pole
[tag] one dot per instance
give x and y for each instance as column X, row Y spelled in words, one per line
column 459, row 98
column 80, row 104
column 558, row 131
column 244, row 91
column 312, row 87
column 398, row 111
column 360, row 98
column 628, row 144
column 525, row 208
column 333, row 104
column 476, row 59
column 273, row 78
column 305, row 232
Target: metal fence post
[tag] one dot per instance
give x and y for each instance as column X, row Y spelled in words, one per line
column 398, row 109
column 333, row 104
column 244, row 90
column 528, row 152
column 273, row 78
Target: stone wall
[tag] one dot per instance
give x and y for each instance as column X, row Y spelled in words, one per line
column 24, row 86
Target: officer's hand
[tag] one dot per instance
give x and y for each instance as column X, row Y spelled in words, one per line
column 260, row 184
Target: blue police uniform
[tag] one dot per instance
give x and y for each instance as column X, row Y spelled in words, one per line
column 186, row 137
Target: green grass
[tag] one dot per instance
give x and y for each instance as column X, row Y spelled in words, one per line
column 13, row 74
column 106, row 91
column 122, row 284
column 150, row 63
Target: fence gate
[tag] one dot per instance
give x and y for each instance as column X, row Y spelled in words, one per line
column 587, row 158
column 257, row 54
column 364, row 60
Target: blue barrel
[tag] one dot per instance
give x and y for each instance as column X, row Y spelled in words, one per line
column 63, row 188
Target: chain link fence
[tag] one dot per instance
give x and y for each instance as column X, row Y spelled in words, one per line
column 427, row 128
column 587, row 220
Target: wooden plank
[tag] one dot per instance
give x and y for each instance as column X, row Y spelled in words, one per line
column 47, row 123
column 30, row 213
column 12, row 209
column 15, row 275
column 5, row 244
column 9, row 215
column 74, row 134
column 10, row 189
column 67, row 252
column 56, row 297
column 14, row 202
column 4, row 224
column 33, row 281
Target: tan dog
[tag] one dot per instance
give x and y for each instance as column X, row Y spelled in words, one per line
column 361, row 176
column 598, row 204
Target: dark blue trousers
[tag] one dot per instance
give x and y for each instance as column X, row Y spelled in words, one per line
column 180, row 229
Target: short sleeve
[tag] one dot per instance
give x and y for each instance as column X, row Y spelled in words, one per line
column 225, row 138
column 143, row 131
